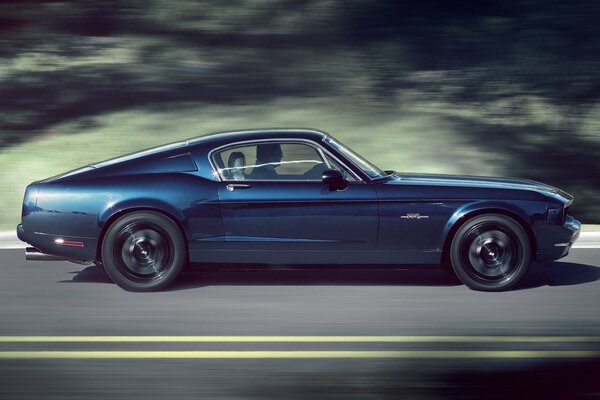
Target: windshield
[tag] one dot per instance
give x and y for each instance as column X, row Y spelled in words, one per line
column 372, row 171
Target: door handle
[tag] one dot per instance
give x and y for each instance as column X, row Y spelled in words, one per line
column 232, row 186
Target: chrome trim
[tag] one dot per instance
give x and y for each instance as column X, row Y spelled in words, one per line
column 324, row 157
column 316, row 146
column 414, row 216
column 562, row 244
column 232, row 186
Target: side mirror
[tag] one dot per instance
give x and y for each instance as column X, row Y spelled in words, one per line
column 334, row 179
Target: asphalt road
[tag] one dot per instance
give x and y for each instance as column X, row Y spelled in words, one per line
column 422, row 334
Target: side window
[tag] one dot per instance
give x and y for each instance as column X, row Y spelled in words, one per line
column 300, row 161
column 335, row 165
column 270, row 161
column 233, row 163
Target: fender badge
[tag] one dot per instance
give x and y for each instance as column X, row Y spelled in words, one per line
column 414, row 216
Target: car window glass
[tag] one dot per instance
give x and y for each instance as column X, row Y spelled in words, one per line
column 271, row 161
column 300, row 159
column 232, row 163
column 335, row 165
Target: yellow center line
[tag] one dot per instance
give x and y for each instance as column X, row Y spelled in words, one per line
column 294, row 339
column 443, row 354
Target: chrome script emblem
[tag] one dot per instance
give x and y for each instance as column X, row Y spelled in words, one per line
column 414, row 216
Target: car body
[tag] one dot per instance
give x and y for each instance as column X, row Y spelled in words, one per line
column 288, row 196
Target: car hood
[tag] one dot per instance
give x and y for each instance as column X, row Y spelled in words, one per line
column 477, row 181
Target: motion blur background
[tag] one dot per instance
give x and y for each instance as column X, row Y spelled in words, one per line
column 508, row 88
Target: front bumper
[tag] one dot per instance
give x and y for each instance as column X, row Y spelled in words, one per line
column 555, row 241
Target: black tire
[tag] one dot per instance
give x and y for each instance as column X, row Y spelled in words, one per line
column 490, row 252
column 143, row 251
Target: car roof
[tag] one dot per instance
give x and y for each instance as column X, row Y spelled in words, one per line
column 213, row 140
column 221, row 138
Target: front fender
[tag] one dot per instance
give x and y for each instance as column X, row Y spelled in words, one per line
column 526, row 212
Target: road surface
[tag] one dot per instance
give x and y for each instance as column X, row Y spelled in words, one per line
column 67, row 332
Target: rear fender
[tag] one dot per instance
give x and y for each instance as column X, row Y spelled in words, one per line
column 112, row 210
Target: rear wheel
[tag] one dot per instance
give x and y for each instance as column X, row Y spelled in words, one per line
column 490, row 252
column 143, row 251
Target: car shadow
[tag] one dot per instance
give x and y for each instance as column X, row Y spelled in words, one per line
column 90, row 274
column 551, row 274
column 559, row 274
column 194, row 278
column 323, row 277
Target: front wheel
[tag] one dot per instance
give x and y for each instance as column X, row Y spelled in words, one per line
column 490, row 252
column 143, row 251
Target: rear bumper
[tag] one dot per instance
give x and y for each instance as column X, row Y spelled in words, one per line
column 21, row 233
column 58, row 246
column 555, row 241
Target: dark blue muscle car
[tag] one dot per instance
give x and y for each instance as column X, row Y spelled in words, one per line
column 288, row 196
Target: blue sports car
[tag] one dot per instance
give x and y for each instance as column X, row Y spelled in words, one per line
column 288, row 196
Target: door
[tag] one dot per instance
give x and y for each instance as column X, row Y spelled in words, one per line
column 272, row 198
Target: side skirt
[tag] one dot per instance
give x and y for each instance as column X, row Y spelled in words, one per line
column 324, row 258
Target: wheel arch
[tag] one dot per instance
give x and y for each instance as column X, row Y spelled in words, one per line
column 462, row 216
column 111, row 218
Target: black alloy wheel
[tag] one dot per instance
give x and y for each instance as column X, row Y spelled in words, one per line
column 490, row 252
column 143, row 251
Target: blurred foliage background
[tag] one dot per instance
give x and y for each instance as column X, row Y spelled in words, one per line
column 508, row 88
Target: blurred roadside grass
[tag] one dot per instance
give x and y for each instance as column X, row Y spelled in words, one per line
column 411, row 91
column 590, row 228
column 413, row 142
